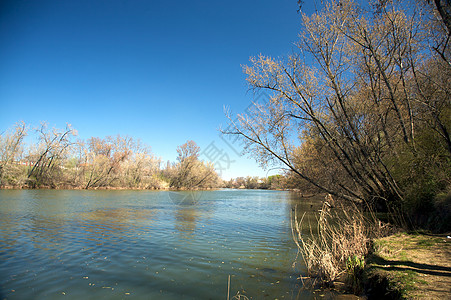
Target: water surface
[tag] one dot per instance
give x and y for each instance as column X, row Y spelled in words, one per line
column 147, row 244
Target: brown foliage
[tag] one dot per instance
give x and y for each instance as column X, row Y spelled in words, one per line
column 365, row 86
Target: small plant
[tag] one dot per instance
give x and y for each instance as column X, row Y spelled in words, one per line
column 355, row 266
column 355, row 262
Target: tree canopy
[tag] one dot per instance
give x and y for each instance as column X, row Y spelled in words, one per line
column 361, row 109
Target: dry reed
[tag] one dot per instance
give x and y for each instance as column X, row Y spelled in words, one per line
column 339, row 243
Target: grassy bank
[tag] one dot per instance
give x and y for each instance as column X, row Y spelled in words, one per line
column 351, row 250
column 409, row 266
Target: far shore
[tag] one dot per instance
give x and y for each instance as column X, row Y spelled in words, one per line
column 9, row 187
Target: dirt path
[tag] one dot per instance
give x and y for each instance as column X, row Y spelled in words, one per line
column 418, row 266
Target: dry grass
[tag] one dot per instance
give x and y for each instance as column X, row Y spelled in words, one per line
column 338, row 244
column 415, row 265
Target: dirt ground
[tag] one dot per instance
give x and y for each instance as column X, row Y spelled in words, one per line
column 418, row 264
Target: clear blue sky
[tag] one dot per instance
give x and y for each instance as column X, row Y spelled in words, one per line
column 161, row 71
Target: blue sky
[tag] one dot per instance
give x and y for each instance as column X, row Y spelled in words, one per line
column 161, row 71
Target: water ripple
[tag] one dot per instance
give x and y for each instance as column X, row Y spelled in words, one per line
column 115, row 244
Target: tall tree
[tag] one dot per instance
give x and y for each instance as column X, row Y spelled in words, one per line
column 53, row 148
column 189, row 171
column 10, row 153
column 362, row 85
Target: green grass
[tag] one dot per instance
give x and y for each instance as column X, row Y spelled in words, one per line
column 402, row 256
column 405, row 281
column 387, row 266
column 398, row 283
column 426, row 243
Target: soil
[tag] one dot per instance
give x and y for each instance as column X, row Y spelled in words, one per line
column 417, row 266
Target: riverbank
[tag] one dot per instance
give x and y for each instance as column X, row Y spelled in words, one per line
column 105, row 188
column 410, row 266
column 161, row 188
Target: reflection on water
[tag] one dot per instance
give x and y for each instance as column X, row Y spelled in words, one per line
column 185, row 220
column 143, row 245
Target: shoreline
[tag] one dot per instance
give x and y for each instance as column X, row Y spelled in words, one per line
column 149, row 189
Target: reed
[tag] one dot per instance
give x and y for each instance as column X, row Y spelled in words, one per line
column 337, row 246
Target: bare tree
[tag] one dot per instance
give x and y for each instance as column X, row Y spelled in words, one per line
column 190, row 172
column 350, row 102
column 54, row 146
column 10, row 153
column 103, row 161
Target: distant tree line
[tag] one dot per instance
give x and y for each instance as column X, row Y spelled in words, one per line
column 58, row 160
column 362, row 109
column 274, row 182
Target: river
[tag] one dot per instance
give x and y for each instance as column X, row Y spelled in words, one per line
column 147, row 245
